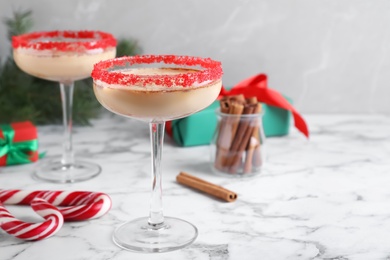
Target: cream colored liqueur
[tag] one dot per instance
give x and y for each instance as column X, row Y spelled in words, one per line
column 60, row 66
column 156, row 102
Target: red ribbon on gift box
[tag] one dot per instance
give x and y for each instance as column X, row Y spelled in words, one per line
column 256, row 86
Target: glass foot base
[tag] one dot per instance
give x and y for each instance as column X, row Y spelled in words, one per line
column 138, row 235
column 55, row 171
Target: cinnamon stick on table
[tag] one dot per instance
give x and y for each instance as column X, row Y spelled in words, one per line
column 207, row 187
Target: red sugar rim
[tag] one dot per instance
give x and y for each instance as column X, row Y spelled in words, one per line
column 211, row 70
column 98, row 40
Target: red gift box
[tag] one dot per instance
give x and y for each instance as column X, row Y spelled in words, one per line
column 18, row 143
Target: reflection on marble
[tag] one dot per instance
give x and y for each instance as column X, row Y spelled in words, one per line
column 327, row 198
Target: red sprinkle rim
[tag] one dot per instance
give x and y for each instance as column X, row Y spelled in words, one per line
column 98, row 40
column 211, row 70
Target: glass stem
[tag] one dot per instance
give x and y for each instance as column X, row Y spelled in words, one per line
column 156, row 217
column 67, row 103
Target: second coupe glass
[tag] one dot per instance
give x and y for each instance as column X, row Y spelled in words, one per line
column 63, row 56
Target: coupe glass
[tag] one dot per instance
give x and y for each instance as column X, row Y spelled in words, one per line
column 156, row 88
column 63, row 56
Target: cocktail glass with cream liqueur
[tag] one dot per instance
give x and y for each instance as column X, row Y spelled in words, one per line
column 63, row 56
column 156, row 88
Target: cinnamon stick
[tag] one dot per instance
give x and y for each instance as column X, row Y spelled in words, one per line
column 241, row 139
column 238, row 141
column 249, row 155
column 207, row 187
column 233, row 105
column 253, row 145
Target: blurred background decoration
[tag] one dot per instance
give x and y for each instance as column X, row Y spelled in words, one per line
column 328, row 56
column 24, row 97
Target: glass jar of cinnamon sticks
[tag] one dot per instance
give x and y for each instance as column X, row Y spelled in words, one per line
column 238, row 146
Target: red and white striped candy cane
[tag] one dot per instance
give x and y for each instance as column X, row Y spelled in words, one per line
column 77, row 205
column 33, row 231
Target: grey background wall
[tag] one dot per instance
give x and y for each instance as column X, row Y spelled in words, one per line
column 329, row 56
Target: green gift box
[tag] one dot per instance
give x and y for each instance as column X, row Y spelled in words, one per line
column 18, row 143
column 199, row 128
column 276, row 121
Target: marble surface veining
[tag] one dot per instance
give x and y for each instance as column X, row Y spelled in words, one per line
column 326, row 198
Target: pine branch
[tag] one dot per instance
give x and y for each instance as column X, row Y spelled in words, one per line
column 24, row 97
column 20, row 23
column 127, row 47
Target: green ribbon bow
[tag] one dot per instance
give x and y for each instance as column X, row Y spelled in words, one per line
column 17, row 153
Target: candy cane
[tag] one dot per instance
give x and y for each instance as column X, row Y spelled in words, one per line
column 33, row 231
column 76, row 205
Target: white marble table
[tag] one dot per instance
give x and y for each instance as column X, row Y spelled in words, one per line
column 327, row 198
